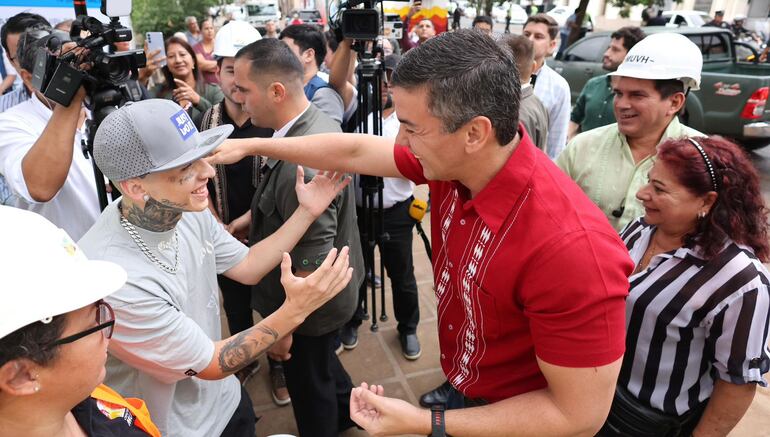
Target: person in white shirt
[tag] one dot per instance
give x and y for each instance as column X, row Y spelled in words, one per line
column 550, row 87
column 41, row 156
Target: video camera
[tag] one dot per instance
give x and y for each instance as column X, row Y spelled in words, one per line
column 365, row 23
column 106, row 77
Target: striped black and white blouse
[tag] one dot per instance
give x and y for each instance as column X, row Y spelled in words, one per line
column 689, row 321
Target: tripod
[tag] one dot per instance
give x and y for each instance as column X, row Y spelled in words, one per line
column 369, row 73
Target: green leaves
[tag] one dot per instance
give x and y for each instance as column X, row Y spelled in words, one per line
column 167, row 16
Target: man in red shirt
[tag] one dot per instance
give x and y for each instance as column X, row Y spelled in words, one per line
column 529, row 275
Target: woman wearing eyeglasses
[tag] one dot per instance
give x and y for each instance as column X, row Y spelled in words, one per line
column 54, row 330
column 697, row 310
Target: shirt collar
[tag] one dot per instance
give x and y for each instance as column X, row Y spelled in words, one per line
column 495, row 201
column 280, row 133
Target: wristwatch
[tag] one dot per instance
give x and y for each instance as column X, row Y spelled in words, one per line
column 437, row 421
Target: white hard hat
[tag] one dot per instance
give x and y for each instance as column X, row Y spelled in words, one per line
column 44, row 273
column 233, row 36
column 661, row 56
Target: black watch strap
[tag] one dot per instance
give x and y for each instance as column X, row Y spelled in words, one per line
column 437, row 421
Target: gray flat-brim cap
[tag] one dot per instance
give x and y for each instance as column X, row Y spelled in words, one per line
column 151, row 136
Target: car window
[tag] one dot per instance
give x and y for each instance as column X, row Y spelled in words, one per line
column 700, row 20
column 310, row 15
column 715, row 47
column 680, row 20
column 588, row 49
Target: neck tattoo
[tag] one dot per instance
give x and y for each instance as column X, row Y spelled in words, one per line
column 157, row 216
column 132, row 232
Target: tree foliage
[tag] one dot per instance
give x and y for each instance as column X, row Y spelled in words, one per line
column 166, row 16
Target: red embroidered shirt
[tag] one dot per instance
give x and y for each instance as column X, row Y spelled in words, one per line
column 529, row 267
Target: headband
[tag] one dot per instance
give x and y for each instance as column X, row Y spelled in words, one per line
column 709, row 166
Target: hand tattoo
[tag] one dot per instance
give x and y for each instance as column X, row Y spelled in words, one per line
column 157, row 216
column 244, row 348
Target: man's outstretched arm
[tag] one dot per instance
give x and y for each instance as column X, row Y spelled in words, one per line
column 575, row 403
column 351, row 153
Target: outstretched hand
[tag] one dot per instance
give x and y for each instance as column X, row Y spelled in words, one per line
column 316, row 195
column 307, row 294
column 382, row 416
column 229, row 152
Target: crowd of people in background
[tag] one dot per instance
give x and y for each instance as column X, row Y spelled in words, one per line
column 598, row 267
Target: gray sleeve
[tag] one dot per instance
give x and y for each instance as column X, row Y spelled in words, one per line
column 155, row 337
column 328, row 101
column 312, row 249
column 229, row 251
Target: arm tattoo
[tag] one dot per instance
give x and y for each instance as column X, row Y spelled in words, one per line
column 157, row 215
column 246, row 347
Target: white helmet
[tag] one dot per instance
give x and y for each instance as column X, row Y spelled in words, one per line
column 45, row 273
column 233, row 36
column 661, row 56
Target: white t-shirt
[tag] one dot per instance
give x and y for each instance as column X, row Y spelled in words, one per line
column 76, row 206
column 166, row 324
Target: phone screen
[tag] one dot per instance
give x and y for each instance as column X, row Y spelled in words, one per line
column 155, row 42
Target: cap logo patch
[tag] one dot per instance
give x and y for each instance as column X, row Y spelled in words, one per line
column 184, row 125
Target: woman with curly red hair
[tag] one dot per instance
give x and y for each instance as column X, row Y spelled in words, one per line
column 698, row 305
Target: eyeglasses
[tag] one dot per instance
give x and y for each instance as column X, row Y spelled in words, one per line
column 105, row 320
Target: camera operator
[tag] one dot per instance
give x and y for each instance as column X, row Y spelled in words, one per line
column 41, row 155
column 9, row 35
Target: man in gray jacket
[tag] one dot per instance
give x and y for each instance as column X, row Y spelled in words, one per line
column 269, row 78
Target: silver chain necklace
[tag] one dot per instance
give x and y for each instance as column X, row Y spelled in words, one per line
column 146, row 250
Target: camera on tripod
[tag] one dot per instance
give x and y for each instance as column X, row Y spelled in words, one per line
column 365, row 23
column 107, row 77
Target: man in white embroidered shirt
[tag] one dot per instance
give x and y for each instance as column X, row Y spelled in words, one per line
column 550, row 87
column 40, row 154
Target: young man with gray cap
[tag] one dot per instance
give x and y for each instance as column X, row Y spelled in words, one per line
column 167, row 345
column 233, row 186
column 269, row 80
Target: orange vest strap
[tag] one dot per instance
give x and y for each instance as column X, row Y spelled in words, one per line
column 137, row 407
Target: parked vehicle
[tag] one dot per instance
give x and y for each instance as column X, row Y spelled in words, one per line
column 518, row 14
column 686, row 18
column 560, row 14
column 259, row 12
column 307, row 16
column 733, row 93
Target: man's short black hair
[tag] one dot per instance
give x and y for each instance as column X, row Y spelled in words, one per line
column 466, row 74
column 630, row 35
column 307, row 37
column 483, row 19
column 19, row 24
column 270, row 56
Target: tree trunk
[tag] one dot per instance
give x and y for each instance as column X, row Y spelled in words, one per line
column 574, row 34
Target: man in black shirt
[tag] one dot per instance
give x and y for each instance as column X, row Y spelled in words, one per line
column 233, row 186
